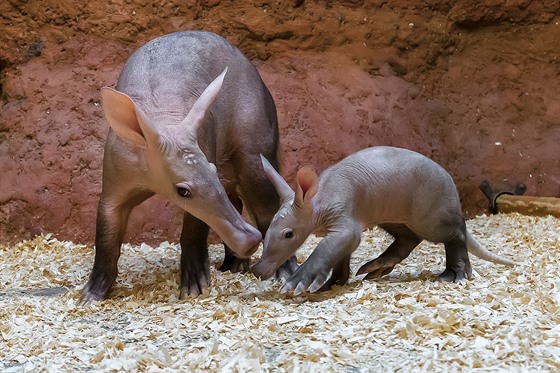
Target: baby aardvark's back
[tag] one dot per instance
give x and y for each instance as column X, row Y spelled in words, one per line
column 385, row 184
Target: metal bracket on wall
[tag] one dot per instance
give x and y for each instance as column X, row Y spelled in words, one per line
column 504, row 188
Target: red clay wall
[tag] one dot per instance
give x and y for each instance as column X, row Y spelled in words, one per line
column 474, row 85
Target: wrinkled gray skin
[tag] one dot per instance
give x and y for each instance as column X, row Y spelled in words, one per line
column 403, row 192
column 189, row 117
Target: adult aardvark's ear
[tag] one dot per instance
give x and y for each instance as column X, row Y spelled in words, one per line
column 306, row 185
column 195, row 117
column 125, row 118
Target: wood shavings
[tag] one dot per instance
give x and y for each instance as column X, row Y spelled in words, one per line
column 505, row 319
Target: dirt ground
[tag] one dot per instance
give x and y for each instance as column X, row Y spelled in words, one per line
column 475, row 86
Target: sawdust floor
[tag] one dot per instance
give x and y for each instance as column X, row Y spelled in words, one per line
column 506, row 319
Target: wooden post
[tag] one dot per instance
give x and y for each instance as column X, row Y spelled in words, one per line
column 528, row 205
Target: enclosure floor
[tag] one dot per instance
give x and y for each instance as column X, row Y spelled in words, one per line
column 505, row 319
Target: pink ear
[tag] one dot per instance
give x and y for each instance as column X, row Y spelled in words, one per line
column 195, row 117
column 121, row 114
column 306, row 184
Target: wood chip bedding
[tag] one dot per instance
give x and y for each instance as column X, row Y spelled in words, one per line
column 506, row 319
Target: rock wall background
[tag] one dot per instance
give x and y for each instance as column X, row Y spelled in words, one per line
column 473, row 85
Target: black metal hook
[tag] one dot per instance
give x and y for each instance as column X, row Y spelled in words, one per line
column 505, row 188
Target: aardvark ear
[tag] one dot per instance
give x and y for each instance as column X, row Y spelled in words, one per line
column 125, row 118
column 195, row 117
column 282, row 188
column 306, row 185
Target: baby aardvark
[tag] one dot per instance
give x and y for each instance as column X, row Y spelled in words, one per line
column 408, row 195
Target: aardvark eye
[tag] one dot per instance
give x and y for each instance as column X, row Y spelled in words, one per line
column 183, row 192
column 288, row 234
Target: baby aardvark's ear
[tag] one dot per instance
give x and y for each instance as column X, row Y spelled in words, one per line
column 306, row 185
column 282, row 188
